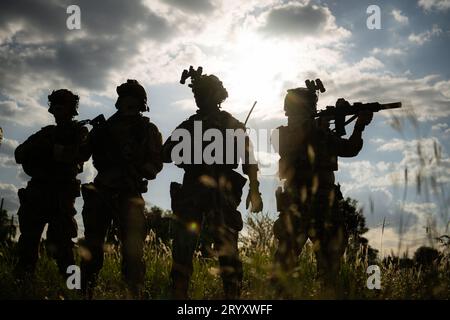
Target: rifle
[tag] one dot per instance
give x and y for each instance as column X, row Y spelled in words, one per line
column 100, row 119
column 343, row 108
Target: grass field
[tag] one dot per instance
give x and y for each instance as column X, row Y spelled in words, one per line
column 396, row 283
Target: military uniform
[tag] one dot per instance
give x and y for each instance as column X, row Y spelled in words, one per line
column 208, row 198
column 126, row 153
column 53, row 157
column 309, row 202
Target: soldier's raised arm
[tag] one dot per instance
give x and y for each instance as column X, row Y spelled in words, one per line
column 352, row 146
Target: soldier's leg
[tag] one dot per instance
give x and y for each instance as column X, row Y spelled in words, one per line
column 96, row 220
column 328, row 266
column 332, row 247
column 28, row 246
column 31, row 226
column 132, row 235
column 61, row 230
column 226, row 241
column 288, row 231
column 331, row 242
column 185, row 239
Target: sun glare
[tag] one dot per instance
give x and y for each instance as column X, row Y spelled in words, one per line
column 257, row 71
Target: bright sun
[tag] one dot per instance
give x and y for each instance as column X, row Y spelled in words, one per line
column 258, row 70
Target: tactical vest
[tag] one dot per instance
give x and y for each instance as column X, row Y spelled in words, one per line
column 221, row 121
column 315, row 153
column 38, row 152
column 120, row 147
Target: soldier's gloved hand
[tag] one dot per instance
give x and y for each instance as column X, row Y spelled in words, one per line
column 364, row 118
column 254, row 199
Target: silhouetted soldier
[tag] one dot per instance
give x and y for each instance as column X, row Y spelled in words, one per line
column 309, row 205
column 126, row 151
column 210, row 193
column 53, row 157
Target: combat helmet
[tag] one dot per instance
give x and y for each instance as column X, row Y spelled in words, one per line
column 63, row 97
column 205, row 85
column 134, row 89
column 296, row 100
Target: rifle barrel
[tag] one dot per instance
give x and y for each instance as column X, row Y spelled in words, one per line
column 393, row 105
column 355, row 108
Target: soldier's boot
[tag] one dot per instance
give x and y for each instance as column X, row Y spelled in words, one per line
column 28, row 252
column 232, row 289
column 184, row 244
column 64, row 258
column 289, row 247
column 91, row 263
column 328, row 273
column 231, row 273
column 87, row 290
column 280, row 278
column 88, row 282
column 135, row 291
column 133, row 266
column 134, row 278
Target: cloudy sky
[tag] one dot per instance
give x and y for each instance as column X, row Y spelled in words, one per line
column 259, row 49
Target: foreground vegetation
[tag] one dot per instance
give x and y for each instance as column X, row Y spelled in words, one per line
column 398, row 281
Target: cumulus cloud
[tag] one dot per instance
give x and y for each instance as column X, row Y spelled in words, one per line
column 439, row 5
column 421, row 161
column 28, row 113
column 413, row 236
column 388, row 51
column 8, row 192
column 302, row 20
column 369, row 63
column 387, row 241
column 399, row 17
column 192, row 6
column 424, row 99
column 7, row 161
column 109, row 34
column 423, row 172
column 425, row 36
column 38, row 53
column 439, row 127
column 372, row 183
column 379, row 205
column 8, row 146
column 7, row 153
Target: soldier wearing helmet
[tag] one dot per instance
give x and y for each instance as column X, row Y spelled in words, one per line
column 309, row 202
column 52, row 157
column 208, row 198
column 126, row 151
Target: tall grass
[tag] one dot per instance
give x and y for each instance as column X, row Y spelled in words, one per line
column 396, row 283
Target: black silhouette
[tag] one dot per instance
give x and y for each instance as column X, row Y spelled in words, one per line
column 210, row 194
column 53, row 157
column 310, row 204
column 126, row 151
